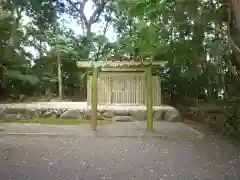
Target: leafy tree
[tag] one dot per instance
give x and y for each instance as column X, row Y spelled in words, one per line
column 198, row 39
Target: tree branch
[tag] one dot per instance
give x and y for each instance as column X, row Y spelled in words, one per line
column 100, row 46
column 96, row 14
column 230, row 39
column 232, row 43
column 4, row 67
column 94, row 17
column 82, row 15
column 80, row 10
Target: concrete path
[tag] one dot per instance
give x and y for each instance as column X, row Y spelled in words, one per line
column 122, row 129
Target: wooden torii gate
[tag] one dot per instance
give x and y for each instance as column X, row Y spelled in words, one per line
column 96, row 65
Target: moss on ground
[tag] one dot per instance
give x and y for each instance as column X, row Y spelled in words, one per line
column 57, row 121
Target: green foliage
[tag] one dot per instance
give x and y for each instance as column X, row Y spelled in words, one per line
column 25, row 78
column 231, row 108
column 196, row 38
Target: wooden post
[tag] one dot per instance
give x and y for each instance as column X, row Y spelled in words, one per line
column 149, row 98
column 94, row 98
column 59, row 64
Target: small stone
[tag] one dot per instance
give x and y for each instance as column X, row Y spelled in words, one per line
column 72, row 114
column 139, row 115
column 122, row 112
column 108, row 114
column 172, row 115
column 99, row 115
column 122, row 119
column 157, row 115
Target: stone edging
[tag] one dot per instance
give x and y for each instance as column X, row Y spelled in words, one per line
column 116, row 113
column 159, row 136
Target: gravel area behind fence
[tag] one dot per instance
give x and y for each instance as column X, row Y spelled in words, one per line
column 81, row 110
column 78, row 105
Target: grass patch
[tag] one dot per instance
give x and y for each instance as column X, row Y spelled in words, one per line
column 57, row 121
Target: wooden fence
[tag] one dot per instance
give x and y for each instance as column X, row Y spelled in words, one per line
column 124, row 88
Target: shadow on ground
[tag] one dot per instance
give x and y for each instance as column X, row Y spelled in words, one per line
column 162, row 129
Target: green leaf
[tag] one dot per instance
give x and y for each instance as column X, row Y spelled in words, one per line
column 26, row 78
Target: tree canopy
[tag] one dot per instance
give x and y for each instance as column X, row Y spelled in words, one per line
column 199, row 39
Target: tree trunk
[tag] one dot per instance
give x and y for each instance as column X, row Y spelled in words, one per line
column 59, row 63
column 235, row 31
column 59, row 76
column 9, row 51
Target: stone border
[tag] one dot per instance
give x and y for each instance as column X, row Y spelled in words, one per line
column 144, row 136
column 82, row 111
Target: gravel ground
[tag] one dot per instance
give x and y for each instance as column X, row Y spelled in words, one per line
column 79, row 105
column 64, row 158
